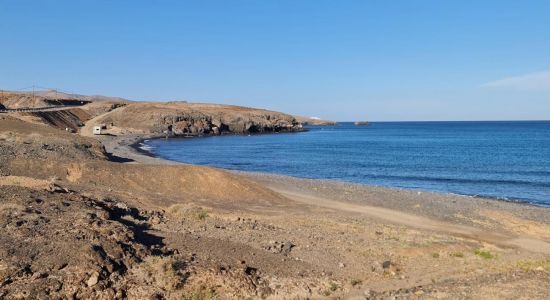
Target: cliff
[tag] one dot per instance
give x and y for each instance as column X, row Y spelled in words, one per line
column 192, row 119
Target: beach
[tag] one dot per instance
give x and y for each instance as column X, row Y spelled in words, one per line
column 212, row 150
column 164, row 228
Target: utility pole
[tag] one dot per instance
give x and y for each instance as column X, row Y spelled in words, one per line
column 33, row 94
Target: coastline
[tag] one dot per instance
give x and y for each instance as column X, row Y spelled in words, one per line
column 448, row 207
column 250, row 235
column 135, row 151
column 458, row 210
column 138, row 139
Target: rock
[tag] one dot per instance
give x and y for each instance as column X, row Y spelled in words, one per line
column 287, row 247
column 341, row 265
column 216, row 130
column 540, row 269
column 54, row 188
column 279, row 247
column 93, row 279
column 122, row 205
column 38, row 275
column 386, row 264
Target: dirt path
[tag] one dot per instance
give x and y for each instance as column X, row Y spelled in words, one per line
column 86, row 130
column 501, row 239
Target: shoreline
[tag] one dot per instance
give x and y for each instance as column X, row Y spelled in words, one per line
column 140, row 139
column 248, row 235
column 451, row 211
column 135, row 146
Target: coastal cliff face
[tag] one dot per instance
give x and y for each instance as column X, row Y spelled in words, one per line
column 182, row 119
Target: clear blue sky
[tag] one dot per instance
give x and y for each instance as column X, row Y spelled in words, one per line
column 343, row 60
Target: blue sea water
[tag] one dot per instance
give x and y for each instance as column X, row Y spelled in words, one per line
column 504, row 160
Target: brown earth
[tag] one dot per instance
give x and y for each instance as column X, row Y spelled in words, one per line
column 49, row 98
column 122, row 116
column 81, row 222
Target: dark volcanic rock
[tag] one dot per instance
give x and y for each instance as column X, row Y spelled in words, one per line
column 198, row 123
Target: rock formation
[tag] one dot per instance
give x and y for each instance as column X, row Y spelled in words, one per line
column 197, row 119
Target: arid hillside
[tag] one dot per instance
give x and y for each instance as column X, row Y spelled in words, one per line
column 21, row 140
column 13, row 100
column 50, row 98
column 314, row 121
column 120, row 116
column 192, row 119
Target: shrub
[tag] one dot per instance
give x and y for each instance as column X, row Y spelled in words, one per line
column 484, row 254
column 356, row 281
column 456, row 254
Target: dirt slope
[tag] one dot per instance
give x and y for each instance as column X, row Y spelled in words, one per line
column 50, row 98
column 25, row 141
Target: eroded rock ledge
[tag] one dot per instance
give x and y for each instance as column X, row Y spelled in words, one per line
column 195, row 119
column 197, row 123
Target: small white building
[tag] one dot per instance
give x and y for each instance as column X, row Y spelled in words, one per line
column 97, row 129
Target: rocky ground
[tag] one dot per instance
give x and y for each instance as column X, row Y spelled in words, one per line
column 79, row 221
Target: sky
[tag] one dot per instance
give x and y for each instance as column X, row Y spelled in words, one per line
column 339, row 60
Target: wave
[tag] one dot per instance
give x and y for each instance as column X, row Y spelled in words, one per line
column 146, row 147
column 460, row 180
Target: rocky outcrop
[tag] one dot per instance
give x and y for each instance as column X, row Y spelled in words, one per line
column 183, row 119
column 198, row 123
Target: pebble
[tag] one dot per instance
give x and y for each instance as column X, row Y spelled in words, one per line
column 93, row 279
column 37, row 275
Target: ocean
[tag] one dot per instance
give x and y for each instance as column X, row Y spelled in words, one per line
column 503, row 160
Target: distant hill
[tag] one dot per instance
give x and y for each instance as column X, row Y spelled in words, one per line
column 50, row 98
column 313, row 121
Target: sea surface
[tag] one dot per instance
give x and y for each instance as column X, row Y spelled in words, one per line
column 504, row 160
